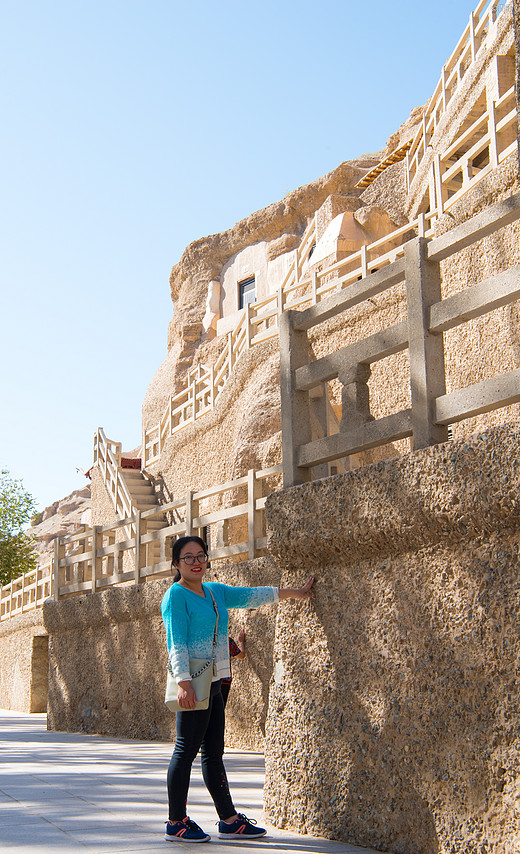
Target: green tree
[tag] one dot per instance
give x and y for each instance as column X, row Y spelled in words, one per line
column 17, row 553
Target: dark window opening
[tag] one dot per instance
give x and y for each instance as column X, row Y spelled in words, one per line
column 246, row 292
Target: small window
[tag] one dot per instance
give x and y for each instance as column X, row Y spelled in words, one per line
column 246, row 291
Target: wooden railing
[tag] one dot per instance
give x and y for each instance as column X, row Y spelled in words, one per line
column 260, row 322
column 429, row 316
column 454, row 71
column 301, row 254
column 27, row 592
column 491, row 138
column 230, row 516
column 107, row 456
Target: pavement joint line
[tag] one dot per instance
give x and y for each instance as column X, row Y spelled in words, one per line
column 50, row 802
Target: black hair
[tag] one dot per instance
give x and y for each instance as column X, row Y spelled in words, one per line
column 178, row 547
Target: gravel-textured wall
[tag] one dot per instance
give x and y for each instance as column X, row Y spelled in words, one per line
column 394, row 717
column 23, row 663
column 393, row 713
column 107, row 661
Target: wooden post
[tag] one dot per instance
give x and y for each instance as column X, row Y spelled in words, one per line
column 254, row 492
column 137, row 554
column 247, row 319
column 364, row 264
column 189, row 513
column 493, row 143
column 193, row 400
column 426, row 349
column 296, row 422
column 117, row 559
column 230, row 350
column 314, row 287
column 96, row 560
column 23, row 592
column 425, row 135
column 318, row 400
column 472, row 35
column 280, row 300
column 439, row 190
column 59, row 552
column 212, row 387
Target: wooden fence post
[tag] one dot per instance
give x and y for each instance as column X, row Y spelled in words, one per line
column 254, row 492
column 192, row 509
column 296, row 422
column 492, row 128
column 59, row 552
column 440, row 194
column 426, row 349
column 95, row 559
column 247, row 320
column 364, row 261
column 137, row 555
column 472, row 35
column 314, row 287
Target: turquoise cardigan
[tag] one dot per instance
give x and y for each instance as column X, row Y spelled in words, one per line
column 189, row 620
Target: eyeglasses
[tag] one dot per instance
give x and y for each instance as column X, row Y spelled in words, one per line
column 191, row 559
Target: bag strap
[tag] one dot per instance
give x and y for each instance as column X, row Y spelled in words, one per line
column 213, row 651
column 216, row 624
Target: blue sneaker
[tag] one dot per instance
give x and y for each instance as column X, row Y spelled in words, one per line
column 241, row 828
column 185, row 831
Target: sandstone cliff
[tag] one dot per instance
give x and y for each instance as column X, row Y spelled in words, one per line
column 59, row 519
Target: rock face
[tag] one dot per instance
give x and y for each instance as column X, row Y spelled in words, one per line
column 60, row 518
column 196, row 282
column 393, row 722
column 123, row 694
column 281, row 226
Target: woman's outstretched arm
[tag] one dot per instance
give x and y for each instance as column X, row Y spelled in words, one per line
column 304, row 592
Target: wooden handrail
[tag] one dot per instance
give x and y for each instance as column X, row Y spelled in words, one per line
column 428, row 315
column 453, row 74
column 91, row 558
column 27, row 592
column 187, row 405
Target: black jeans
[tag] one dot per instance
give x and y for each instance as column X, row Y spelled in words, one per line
column 200, row 730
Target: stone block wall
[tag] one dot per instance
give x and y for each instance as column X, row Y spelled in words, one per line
column 394, row 715
column 23, row 663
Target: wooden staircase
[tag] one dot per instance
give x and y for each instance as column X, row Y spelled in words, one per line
column 130, row 490
column 144, row 497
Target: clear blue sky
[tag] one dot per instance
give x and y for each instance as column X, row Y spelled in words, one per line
column 130, row 129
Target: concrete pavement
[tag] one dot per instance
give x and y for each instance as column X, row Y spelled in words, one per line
column 72, row 793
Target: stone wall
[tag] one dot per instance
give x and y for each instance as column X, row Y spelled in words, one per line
column 394, row 716
column 390, row 701
column 23, row 663
column 107, row 662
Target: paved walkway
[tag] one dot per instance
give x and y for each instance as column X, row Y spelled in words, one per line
column 71, row 793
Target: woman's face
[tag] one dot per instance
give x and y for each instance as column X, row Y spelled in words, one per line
column 192, row 563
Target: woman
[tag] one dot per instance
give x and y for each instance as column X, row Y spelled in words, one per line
column 189, row 617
